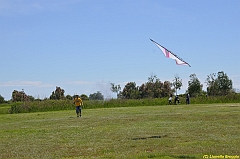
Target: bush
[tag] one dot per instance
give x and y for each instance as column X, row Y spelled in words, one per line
column 2, row 99
column 231, row 98
column 41, row 106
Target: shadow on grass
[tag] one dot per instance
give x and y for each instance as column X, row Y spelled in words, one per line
column 150, row 137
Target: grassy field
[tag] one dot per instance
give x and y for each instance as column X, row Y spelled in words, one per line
column 177, row 131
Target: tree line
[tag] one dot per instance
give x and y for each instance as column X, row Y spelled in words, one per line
column 58, row 94
column 218, row 84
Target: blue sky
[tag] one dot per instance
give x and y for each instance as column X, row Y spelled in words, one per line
column 84, row 45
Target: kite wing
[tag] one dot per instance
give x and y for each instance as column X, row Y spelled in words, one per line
column 171, row 55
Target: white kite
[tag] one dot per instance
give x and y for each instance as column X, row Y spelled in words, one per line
column 171, row 55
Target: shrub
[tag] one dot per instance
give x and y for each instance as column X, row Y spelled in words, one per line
column 2, row 99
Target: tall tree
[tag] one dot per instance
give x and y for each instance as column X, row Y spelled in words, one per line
column 84, row 97
column 167, row 89
column 177, row 83
column 212, row 86
column 115, row 89
column 143, row 91
column 96, row 96
column 154, row 88
column 58, row 93
column 194, row 86
column 218, row 84
column 18, row 96
column 224, row 83
column 130, row 91
column 69, row 97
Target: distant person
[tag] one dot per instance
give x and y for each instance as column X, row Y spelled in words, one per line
column 176, row 100
column 187, row 99
column 79, row 103
column 170, row 100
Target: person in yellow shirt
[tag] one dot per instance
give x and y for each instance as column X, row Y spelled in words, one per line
column 79, row 103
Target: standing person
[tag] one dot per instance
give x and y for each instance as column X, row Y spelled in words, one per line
column 79, row 103
column 176, row 100
column 170, row 99
column 188, row 99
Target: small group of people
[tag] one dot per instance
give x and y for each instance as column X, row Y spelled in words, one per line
column 177, row 100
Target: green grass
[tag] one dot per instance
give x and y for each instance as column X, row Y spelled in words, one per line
column 4, row 108
column 176, row 131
